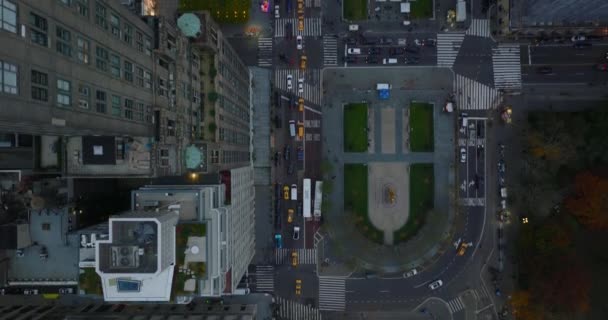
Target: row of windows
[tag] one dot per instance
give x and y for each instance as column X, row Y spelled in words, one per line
column 8, row 77
column 8, row 15
column 234, row 137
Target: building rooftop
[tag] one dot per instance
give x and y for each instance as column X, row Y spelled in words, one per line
column 560, row 12
column 134, row 248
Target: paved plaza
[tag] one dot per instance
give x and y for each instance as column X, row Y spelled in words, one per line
column 388, row 130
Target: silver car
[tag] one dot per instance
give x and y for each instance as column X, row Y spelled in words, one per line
column 435, row 284
column 289, row 82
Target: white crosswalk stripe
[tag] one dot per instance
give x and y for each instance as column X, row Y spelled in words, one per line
column 312, row 89
column 312, row 27
column 479, row 27
column 264, row 52
column 289, row 309
column 305, row 256
column 506, row 61
column 455, row 305
column 472, row 202
column 264, row 278
column 472, row 95
column 481, row 293
column 448, row 45
column 332, row 293
column 330, row 50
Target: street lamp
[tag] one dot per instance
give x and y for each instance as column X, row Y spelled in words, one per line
column 193, row 175
column 524, row 220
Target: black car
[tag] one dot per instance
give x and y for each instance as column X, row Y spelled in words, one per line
column 412, row 49
column 582, row 45
column 429, row 42
column 286, row 152
column 375, row 50
column 388, row 41
column 300, row 208
column 544, row 70
column 290, row 168
column 372, row 60
column 396, row 51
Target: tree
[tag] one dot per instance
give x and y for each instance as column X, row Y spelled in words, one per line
column 211, row 127
column 522, row 306
column 567, row 289
column 589, row 203
column 212, row 96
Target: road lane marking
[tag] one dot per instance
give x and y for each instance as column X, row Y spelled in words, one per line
column 529, row 56
column 384, row 291
column 580, row 73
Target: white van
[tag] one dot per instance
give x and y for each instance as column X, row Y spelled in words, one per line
column 353, row 27
column 353, row 51
column 241, row 291
column 294, row 192
column 292, row 128
column 389, row 61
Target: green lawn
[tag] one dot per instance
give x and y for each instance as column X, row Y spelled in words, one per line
column 223, row 11
column 355, row 200
column 421, row 200
column 90, row 282
column 421, row 9
column 421, row 127
column 355, row 9
column 183, row 231
column 355, row 127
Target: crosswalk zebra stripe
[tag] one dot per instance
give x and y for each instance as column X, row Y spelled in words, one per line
column 455, row 305
column 506, row 61
column 305, row 256
column 265, row 52
column 264, row 278
column 312, row 89
column 330, row 51
column 332, row 293
column 479, row 28
column 312, row 27
column 448, row 45
column 472, row 95
column 289, row 309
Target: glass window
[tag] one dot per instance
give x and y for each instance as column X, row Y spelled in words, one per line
column 102, row 58
column 128, row 109
column 128, row 71
column 39, row 28
column 115, row 65
column 8, row 16
column 40, row 83
column 127, row 33
column 139, row 76
column 116, row 109
column 83, row 50
column 147, row 80
column 139, row 112
column 101, row 15
column 100, row 105
column 139, row 41
column 40, row 78
column 83, row 7
column 84, row 93
column 8, row 77
column 64, row 45
column 149, row 114
column 64, row 93
column 115, row 23
column 148, row 45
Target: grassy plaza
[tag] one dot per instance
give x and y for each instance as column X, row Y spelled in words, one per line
column 355, row 127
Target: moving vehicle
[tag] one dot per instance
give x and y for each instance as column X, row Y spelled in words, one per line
column 278, row 240
column 290, row 215
column 463, row 155
column 300, row 130
column 286, row 192
column 303, row 63
column 353, row 51
column 294, row 192
column 463, row 248
column 353, row 27
column 294, row 258
column 288, row 30
column 435, row 284
column 301, row 23
column 300, row 85
column 289, row 82
column 296, row 233
column 299, row 42
column 292, row 128
column 298, row 287
column 544, row 70
column 410, row 273
column 300, row 153
column 301, row 104
column 286, row 152
column 300, row 7
column 389, row 61
column 582, row 45
column 277, row 11
column 578, row 38
column 602, row 67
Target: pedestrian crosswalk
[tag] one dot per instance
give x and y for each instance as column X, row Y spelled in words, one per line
column 289, row 309
column 472, row 95
column 312, row 27
column 332, row 293
column 479, row 28
column 448, row 45
column 455, row 305
column 312, row 89
column 481, row 293
column 472, row 202
column 264, row 52
column 312, row 3
column 330, row 50
column 506, row 61
column 264, row 278
column 305, row 256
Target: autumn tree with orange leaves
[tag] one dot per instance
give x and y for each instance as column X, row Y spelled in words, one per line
column 589, row 201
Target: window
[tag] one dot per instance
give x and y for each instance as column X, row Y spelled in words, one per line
column 139, row 111
column 115, row 23
column 128, row 109
column 83, row 50
column 39, row 28
column 162, row 87
column 127, row 33
column 128, row 71
column 139, row 76
column 149, row 114
column 116, row 105
column 64, row 46
column 139, row 41
column 8, row 16
column 8, row 77
column 100, row 105
column 101, row 15
column 147, row 80
column 148, row 46
column 115, row 65
column 84, row 93
column 40, row 86
column 102, row 58
column 83, row 7
column 64, row 94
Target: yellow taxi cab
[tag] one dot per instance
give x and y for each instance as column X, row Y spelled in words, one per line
column 300, row 130
column 286, row 192
column 301, row 23
column 463, row 248
column 289, row 215
column 303, row 62
column 294, row 258
column 298, row 287
column 301, row 104
column 300, row 7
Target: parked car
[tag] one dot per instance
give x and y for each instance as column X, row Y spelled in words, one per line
column 410, row 273
column 278, row 240
column 286, row 193
column 294, row 258
column 286, row 152
column 353, row 51
column 412, row 49
column 578, row 38
column 277, row 11
column 296, row 233
column 463, row 155
column 300, row 85
column 396, row 51
column 299, row 42
column 429, row 42
column 289, row 82
column 289, row 215
column 582, row 45
column 372, row 60
column 374, row 50
column 435, row 284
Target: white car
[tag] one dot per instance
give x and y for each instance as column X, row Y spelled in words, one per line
column 299, row 42
column 300, row 85
column 296, row 233
column 276, row 12
column 463, row 155
column 578, row 38
column 436, row 284
column 410, row 273
column 289, row 82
